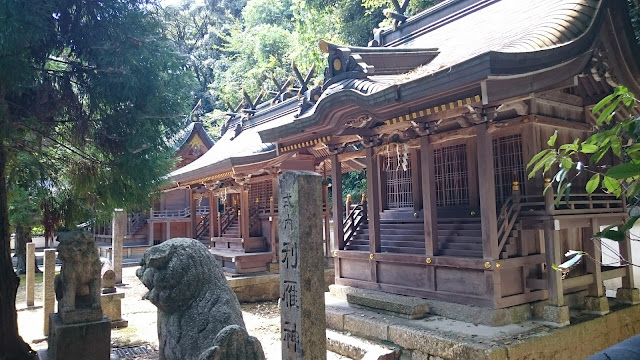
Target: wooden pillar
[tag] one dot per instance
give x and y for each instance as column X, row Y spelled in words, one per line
column 167, row 230
column 150, row 234
column 415, row 180
column 193, row 215
column 373, row 203
column 336, row 191
column 553, row 256
column 429, row 208
column 625, row 252
column 273, row 223
column 245, row 213
column 487, row 192
column 213, row 215
column 597, row 288
column 325, row 216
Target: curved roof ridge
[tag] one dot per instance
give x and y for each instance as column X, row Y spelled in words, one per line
column 567, row 21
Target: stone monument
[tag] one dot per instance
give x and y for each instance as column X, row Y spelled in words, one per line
column 111, row 299
column 78, row 330
column 199, row 316
column 303, row 324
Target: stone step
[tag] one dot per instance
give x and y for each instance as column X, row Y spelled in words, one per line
column 397, row 305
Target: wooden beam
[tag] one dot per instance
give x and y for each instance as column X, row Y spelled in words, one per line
column 336, row 192
column 245, row 217
column 213, row 215
column 597, row 287
column 429, row 209
column 373, row 203
column 194, row 217
column 487, row 193
column 553, row 256
column 560, row 123
column 415, row 180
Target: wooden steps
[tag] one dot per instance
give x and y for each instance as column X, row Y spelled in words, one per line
column 238, row 262
column 401, row 232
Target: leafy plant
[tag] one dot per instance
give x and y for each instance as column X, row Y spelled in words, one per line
column 616, row 137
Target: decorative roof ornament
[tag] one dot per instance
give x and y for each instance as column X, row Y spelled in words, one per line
column 233, row 112
column 283, row 91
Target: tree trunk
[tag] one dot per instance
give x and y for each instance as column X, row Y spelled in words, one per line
column 22, row 237
column 11, row 344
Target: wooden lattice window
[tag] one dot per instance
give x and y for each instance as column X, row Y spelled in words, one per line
column 260, row 194
column 508, row 165
column 397, row 169
column 451, row 175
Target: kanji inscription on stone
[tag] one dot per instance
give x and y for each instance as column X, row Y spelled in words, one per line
column 301, row 266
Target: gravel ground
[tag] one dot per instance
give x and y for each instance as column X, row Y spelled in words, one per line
column 262, row 321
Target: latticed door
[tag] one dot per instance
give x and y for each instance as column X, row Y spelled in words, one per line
column 397, row 171
column 451, row 175
column 508, row 165
column 260, row 194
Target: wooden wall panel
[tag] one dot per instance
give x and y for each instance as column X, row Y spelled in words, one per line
column 355, row 269
column 177, row 199
column 471, row 282
column 511, row 282
column 410, row 275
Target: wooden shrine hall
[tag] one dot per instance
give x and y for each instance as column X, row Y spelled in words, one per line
column 444, row 110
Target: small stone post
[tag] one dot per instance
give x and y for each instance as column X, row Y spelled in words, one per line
column 303, row 327
column 118, row 233
column 48, row 293
column 31, row 272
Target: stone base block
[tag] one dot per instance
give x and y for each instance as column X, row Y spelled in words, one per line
column 112, row 308
column 79, row 316
column 274, row 267
column 557, row 315
column 596, row 305
column 628, row 296
column 91, row 340
column 396, row 305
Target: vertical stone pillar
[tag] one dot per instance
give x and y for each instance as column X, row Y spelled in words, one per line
column 118, row 233
column 303, row 327
column 48, row 293
column 31, row 272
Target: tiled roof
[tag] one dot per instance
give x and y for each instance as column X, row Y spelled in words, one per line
column 509, row 26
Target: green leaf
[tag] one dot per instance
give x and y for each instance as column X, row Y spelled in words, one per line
column 549, row 158
column 629, row 224
column 615, row 235
column 588, row 148
column 552, row 139
column 612, row 185
column 567, row 163
column 616, row 146
column 536, row 157
column 608, row 112
column 593, row 183
column 602, row 103
column 624, row 171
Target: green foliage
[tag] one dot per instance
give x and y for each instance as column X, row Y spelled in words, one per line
column 616, row 137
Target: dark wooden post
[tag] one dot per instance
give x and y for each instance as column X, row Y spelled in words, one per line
column 213, row 215
column 487, row 192
column 325, row 217
column 245, row 213
column 373, row 205
column 194, row 217
column 415, row 180
column 553, row 256
column 429, row 208
column 336, row 191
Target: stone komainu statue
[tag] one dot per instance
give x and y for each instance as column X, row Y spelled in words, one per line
column 199, row 316
column 78, row 285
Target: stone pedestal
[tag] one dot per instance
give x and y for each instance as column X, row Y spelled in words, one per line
column 558, row 315
column 598, row 305
column 112, row 308
column 628, row 296
column 90, row 340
